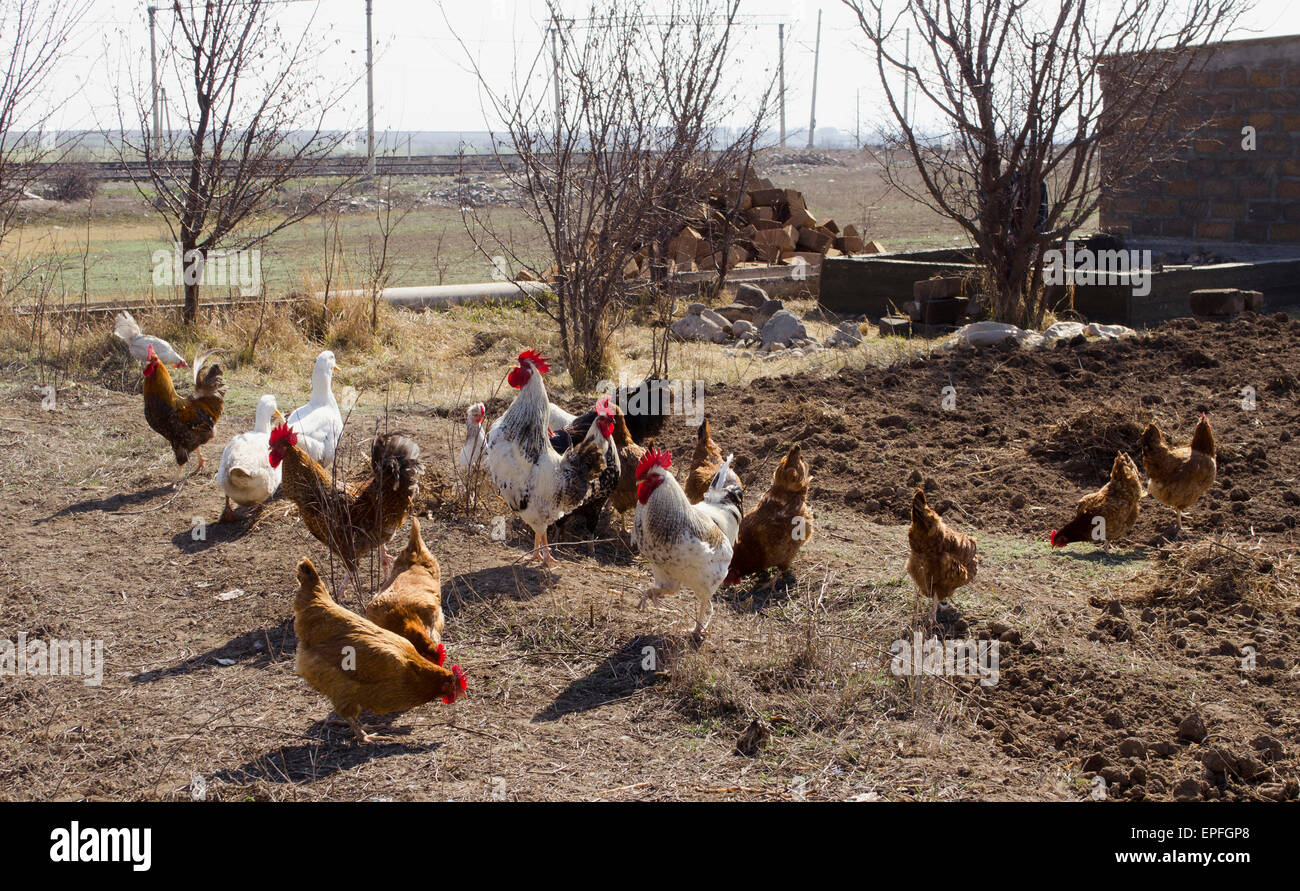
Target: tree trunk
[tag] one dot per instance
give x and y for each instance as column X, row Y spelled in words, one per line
column 192, row 278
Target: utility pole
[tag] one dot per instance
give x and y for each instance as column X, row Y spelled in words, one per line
column 907, row 74
column 817, row 54
column 780, row 68
column 555, row 75
column 153, row 76
column 370, row 95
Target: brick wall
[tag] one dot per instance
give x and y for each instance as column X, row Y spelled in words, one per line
column 1216, row 190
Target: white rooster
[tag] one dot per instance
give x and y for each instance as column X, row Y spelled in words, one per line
column 687, row 545
column 318, row 423
column 128, row 330
column 537, row 482
column 246, row 474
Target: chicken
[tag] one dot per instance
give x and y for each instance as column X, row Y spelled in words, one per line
column 772, row 533
column 645, row 407
column 351, row 520
column 319, row 423
column 186, row 423
column 245, row 473
column 128, row 330
column 536, row 482
column 687, row 545
column 1115, row 504
column 411, row 603
column 1178, row 477
column 356, row 664
column 942, row 560
column 603, row 415
column 469, row 462
column 623, row 498
column 704, row 464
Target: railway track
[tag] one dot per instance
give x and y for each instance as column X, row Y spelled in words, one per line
column 385, row 165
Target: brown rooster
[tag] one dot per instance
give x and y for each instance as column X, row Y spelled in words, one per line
column 352, row 519
column 356, row 664
column 1115, row 503
column 1179, row 476
column 411, row 603
column 942, row 560
column 186, row 423
column 705, row 462
column 772, row 533
column 623, row 498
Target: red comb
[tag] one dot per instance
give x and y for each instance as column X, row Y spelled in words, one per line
column 603, row 407
column 461, row 684
column 536, row 358
column 1052, row 538
column 283, row 433
column 651, row 459
column 441, row 653
column 152, row 354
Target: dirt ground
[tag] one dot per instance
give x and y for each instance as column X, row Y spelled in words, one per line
column 1161, row 670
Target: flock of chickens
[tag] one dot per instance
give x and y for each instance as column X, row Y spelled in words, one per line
column 551, row 467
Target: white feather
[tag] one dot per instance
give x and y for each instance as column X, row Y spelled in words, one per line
column 246, row 474
column 319, row 423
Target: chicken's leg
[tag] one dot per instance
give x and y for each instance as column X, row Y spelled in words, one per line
column 542, row 549
column 702, row 623
column 362, row 737
column 229, row 515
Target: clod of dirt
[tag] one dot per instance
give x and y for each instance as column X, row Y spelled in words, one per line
column 1132, row 748
column 1192, row 728
column 1188, row 789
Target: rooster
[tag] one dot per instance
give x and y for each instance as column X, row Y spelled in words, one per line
column 186, row 423
column 356, row 664
column 942, row 559
column 623, row 498
column 773, row 532
column 687, row 545
column 1116, row 503
column 351, row 520
column 1179, row 476
column 538, row 483
column 602, row 414
column 704, row 464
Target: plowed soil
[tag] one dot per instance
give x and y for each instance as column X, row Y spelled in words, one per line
column 1163, row 669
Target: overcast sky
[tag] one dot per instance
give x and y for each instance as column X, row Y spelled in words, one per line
column 422, row 76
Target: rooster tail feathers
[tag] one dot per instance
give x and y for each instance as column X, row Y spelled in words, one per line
column 125, row 326
column 396, row 457
column 199, row 359
column 720, row 478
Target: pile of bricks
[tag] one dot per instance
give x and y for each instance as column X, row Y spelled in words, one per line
column 774, row 227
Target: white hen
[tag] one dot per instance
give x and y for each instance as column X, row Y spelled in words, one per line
column 318, row 423
column 128, row 330
column 470, row 459
column 687, row 545
column 246, row 474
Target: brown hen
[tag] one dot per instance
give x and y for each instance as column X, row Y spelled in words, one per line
column 1114, row 504
column 942, row 559
column 1179, row 476
column 772, row 533
column 411, row 603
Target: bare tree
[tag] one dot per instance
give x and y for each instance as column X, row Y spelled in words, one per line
column 34, row 35
column 254, row 111
column 613, row 156
column 1017, row 86
column 379, row 266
